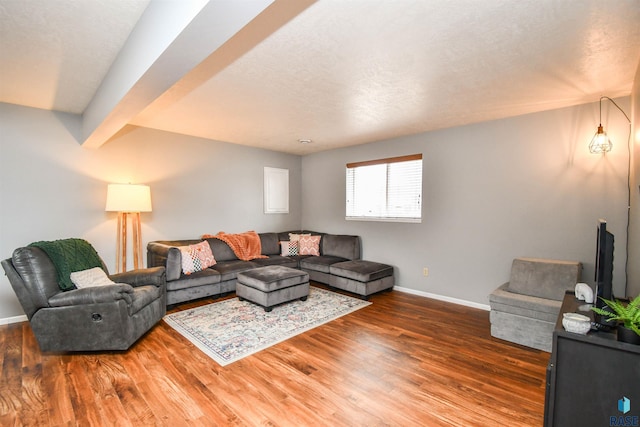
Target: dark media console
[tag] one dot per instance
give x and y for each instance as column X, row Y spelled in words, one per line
column 589, row 376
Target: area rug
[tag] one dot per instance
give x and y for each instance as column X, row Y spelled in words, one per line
column 229, row 330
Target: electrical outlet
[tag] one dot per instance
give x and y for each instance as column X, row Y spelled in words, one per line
column 425, row 272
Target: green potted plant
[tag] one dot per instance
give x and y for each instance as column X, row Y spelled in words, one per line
column 627, row 315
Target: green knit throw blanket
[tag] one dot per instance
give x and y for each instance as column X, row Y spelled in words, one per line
column 69, row 256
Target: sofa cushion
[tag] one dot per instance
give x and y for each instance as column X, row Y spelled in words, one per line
column 341, row 246
column 360, row 270
column 319, row 263
column 204, row 277
column 94, row 295
column 221, row 251
column 229, row 269
column 286, row 261
column 543, row 278
column 269, row 243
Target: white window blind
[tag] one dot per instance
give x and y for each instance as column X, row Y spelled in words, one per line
column 385, row 189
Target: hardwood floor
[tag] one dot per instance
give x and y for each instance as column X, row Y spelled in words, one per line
column 402, row 361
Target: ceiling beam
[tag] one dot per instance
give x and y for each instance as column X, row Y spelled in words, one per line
column 158, row 27
column 268, row 22
column 169, row 42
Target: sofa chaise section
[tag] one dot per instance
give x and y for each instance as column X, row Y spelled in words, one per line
column 333, row 249
column 361, row 277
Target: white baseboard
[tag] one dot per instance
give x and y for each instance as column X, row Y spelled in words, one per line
column 14, row 319
column 443, row 298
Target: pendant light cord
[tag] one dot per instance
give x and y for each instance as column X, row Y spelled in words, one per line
column 626, row 261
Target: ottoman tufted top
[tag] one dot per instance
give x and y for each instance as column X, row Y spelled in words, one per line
column 272, row 277
column 361, row 270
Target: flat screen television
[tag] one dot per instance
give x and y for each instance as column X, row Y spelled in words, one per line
column 603, row 272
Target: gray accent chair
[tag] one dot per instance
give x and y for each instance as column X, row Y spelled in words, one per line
column 525, row 309
column 110, row 317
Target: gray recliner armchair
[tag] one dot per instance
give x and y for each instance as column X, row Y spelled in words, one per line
column 110, row 317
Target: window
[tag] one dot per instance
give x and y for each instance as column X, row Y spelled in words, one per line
column 385, row 189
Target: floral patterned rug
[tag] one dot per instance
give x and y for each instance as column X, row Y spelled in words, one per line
column 230, row 330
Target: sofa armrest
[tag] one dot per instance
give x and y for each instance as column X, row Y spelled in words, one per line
column 503, row 297
column 166, row 255
column 141, row 277
column 93, row 295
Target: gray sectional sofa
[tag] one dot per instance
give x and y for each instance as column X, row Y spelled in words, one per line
column 339, row 265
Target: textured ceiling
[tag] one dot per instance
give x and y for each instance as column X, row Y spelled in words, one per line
column 336, row 72
column 55, row 53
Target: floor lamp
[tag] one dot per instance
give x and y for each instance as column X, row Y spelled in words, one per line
column 128, row 200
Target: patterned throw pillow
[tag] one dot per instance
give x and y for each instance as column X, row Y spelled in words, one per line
column 288, row 248
column 293, row 237
column 92, row 277
column 196, row 257
column 309, row 245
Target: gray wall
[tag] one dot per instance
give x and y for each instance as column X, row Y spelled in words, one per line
column 523, row 186
column 52, row 188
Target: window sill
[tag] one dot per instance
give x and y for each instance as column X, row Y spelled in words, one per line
column 378, row 219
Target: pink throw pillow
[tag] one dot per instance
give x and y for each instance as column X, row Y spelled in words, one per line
column 196, row 257
column 309, row 245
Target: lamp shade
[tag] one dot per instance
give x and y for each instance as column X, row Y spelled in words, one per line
column 600, row 143
column 128, row 198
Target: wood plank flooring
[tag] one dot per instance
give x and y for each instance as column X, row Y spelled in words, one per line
column 405, row 360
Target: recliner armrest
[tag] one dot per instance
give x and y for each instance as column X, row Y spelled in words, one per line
column 141, row 277
column 93, row 295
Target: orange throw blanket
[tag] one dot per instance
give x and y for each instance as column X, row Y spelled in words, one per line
column 246, row 245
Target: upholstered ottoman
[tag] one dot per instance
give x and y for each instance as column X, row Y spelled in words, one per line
column 361, row 277
column 272, row 285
